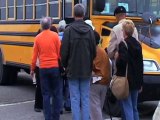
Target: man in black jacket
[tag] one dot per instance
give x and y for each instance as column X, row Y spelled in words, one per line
column 77, row 53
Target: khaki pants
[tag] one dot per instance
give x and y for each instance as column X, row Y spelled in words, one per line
column 97, row 98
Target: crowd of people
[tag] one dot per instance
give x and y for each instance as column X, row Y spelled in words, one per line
column 73, row 72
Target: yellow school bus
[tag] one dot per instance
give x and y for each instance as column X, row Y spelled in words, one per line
column 19, row 23
column 145, row 14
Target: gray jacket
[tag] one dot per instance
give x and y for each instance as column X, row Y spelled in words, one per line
column 78, row 50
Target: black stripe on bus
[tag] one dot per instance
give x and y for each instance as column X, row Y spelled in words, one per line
column 32, row 34
column 55, row 21
column 20, row 65
column 15, row 43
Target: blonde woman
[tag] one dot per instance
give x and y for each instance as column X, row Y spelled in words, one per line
column 130, row 55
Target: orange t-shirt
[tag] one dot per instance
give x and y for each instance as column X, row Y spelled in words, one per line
column 47, row 49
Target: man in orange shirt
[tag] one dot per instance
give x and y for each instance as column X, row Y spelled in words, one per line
column 47, row 49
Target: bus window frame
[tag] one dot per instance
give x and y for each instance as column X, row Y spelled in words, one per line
column 14, row 12
column 40, row 4
column 64, row 14
column 5, row 13
column 23, row 5
column 59, row 9
column 33, row 11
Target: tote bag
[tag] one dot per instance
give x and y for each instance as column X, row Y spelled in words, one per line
column 119, row 85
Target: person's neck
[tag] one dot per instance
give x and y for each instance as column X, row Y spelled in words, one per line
column 78, row 18
column 121, row 18
column 45, row 29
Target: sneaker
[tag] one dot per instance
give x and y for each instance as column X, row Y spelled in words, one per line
column 37, row 109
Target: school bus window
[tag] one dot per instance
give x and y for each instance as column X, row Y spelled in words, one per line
column 149, row 5
column 3, row 10
column 54, row 8
column 106, row 7
column 105, row 32
column 29, row 9
column 10, row 8
column 19, row 9
column 41, row 7
column 85, row 3
column 68, row 8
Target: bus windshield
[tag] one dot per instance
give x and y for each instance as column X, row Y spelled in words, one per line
column 133, row 7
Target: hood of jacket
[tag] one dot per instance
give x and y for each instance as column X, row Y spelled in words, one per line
column 80, row 26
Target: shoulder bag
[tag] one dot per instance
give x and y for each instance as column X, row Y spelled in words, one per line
column 119, row 85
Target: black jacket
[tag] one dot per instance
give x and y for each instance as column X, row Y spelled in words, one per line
column 78, row 50
column 132, row 56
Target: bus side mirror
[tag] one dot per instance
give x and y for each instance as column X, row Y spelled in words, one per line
column 149, row 18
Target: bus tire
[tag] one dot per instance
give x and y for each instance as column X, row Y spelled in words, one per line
column 8, row 75
column 13, row 72
column 2, row 80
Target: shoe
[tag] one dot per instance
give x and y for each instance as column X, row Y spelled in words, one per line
column 37, row 109
column 67, row 109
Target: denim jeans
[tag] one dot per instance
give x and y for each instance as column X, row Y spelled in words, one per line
column 51, row 84
column 79, row 95
column 67, row 101
column 129, row 106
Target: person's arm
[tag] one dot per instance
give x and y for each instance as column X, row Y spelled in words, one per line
column 34, row 56
column 64, row 52
column 93, row 45
column 112, row 45
column 141, row 66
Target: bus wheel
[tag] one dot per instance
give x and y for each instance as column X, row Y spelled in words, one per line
column 3, row 75
column 8, row 74
column 2, row 70
column 13, row 72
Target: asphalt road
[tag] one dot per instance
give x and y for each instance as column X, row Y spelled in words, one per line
column 17, row 101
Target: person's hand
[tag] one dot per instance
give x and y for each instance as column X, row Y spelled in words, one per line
column 32, row 73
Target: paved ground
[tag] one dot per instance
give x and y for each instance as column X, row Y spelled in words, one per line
column 17, row 101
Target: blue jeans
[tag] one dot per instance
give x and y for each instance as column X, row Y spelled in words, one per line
column 79, row 95
column 129, row 106
column 67, row 102
column 51, row 84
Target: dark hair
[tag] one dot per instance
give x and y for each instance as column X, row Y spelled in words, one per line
column 79, row 10
column 54, row 29
column 97, row 37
